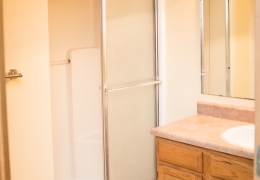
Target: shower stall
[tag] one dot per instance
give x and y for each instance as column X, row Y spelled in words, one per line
column 104, row 88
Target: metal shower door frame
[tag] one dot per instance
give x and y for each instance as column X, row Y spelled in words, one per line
column 106, row 90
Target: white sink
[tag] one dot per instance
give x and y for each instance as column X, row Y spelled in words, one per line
column 243, row 136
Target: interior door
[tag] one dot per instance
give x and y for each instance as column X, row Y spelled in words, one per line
column 26, row 49
column 130, row 88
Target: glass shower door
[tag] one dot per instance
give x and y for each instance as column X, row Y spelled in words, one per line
column 130, row 88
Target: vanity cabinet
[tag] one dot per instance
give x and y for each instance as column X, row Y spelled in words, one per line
column 179, row 161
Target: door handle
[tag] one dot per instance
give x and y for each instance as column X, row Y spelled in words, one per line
column 13, row 74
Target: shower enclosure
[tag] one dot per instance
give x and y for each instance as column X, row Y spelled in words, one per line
column 103, row 86
column 112, row 91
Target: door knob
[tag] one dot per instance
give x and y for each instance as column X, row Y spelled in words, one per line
column 13, row 74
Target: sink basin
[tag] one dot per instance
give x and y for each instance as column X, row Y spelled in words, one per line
column 243, row 136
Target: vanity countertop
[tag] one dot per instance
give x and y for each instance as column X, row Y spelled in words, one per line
column 203, row 131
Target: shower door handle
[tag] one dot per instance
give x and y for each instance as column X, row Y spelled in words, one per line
column 13, row 74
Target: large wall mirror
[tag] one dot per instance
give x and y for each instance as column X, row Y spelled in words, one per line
column 228, row 53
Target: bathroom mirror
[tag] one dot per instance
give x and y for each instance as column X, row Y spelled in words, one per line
column 227, row 47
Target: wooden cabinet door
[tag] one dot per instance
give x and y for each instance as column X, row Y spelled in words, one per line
column 224, row 168
column 166, row 173
column 179, row 155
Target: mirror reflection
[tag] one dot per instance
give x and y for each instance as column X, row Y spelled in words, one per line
column 227, row 39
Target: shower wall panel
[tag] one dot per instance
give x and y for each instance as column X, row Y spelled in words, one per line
column 77, row 117
column 61, row 122
column 72, row 25
column 87, row 151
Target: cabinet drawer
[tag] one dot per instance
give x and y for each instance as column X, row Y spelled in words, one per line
column 172, row 153
column 166, row 173
column 224, row 168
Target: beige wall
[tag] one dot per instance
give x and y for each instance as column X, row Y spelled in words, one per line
column 241, row 48
column 228, row 101
column 181, row 79
column 179, row 52
column 28, row 99
column 73, row 25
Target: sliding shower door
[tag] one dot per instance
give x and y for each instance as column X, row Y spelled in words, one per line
column 130, row 88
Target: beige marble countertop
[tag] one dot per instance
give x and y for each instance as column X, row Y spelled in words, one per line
column 203, row 131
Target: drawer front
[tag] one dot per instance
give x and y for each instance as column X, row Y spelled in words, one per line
column 166, row 173
column 224, row 168
column 172, row 153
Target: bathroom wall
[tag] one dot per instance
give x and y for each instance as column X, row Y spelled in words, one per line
column 179, row 56
column 244, row 57
column 180, row 72
column 72, row 25
column 28, row 99
column 242, row 53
